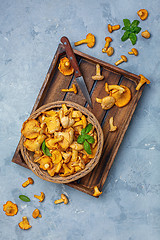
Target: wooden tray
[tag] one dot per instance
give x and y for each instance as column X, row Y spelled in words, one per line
column 51, row 91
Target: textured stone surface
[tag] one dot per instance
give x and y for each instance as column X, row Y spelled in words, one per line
column 129, row 207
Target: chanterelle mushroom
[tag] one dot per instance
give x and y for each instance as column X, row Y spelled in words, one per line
column 41, row 197
column 34, row 144
column 143, row 14
column 108, row 40
column 123, row 59
column 98, row 75
column 31, row 128
column 24, row 224
column 146, row 34
column 72, row 89
column 142, row 81
column 65, row 67
column 63, row 199
column 106, row 102
column 68, row 137
column 96, row 192
column 10, row 208
column 134, row 51
column 90, row 40
column 113, row 28
column 112, row 127
column 26, row 183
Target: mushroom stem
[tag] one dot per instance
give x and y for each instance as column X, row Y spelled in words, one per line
column 98, row 70
column 119, row 62
column 67, row 65
column 80, row 42
column 98, row 100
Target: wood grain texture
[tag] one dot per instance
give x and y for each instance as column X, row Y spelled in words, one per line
column 51, row 91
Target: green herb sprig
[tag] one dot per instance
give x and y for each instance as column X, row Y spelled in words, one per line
column 45, row 149
column 86, row 139
column 131, row 29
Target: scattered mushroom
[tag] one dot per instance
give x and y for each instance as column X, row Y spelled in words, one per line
column 112, row 127
column 106, row 102
column 65, row 67
column 73, row 89
column 108, row 40
column 63, row 199
column 142, row 81
column 113, row 28
column 122, row 98
column 143, row 14
column 10, row 208
column 24, row 224
column 110, row 51
column 36, row 213
column 96, row 192
column 108, row 88
column 29, row 181
column 90, row 40
column 123, row 59
column 146, row 34
column 41, row 197
column 133, row 51
column 98, row 75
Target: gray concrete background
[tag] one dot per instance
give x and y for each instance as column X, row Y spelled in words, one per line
column 129, row 207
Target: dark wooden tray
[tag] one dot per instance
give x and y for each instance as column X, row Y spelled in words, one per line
column 51, row 91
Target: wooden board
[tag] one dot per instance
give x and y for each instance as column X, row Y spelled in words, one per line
column 51, row 91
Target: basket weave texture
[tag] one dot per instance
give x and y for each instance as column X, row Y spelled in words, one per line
column 28, row 156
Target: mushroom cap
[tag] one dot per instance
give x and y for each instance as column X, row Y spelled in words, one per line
column 97, row 77
column 108, row 39
column 91, row 40
column 110, row 51
column 65, row 67
column 143, row 14
column 124, row 58
column 135, row 52
column 24, row 224
column 35, row 213
column 110, row 28
column 12, row 207
column 144, row 79
column 30, row 180
column 65, row 199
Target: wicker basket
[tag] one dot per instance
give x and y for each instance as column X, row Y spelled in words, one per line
column 28, row 156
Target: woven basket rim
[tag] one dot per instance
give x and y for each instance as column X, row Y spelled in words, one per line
column 89, row 166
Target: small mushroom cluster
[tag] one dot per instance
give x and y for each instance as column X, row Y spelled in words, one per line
column 117, row 95
column 58, row 131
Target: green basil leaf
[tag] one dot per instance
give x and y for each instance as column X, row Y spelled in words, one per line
column 135, row 23
column 126, row 22
column 87, row 147
column 125, row 36
column 136, row 30
column 81, row 139
column 88, row 128
column 45, row 149
column 24, row 198
column 133, row 38
column 89, row 138
column 126, row 28
column 83, row 131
